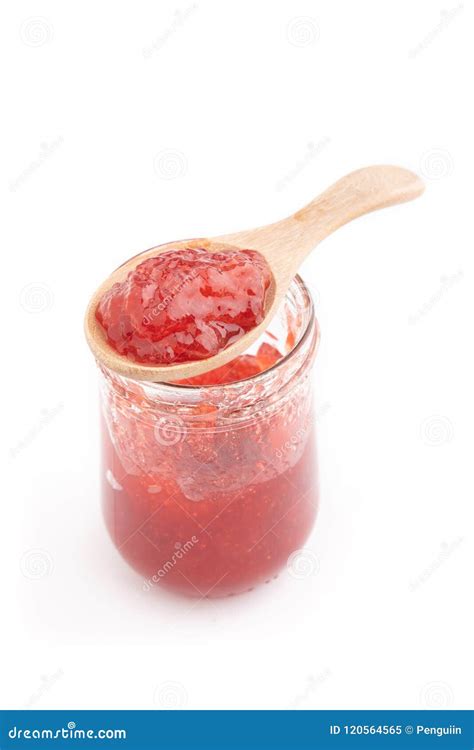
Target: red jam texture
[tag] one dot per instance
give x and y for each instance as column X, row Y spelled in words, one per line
column 212, row 511
column 242, row 367
column 185, row 305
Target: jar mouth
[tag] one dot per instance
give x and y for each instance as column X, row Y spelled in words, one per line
column 294, row 331
column 310, row 325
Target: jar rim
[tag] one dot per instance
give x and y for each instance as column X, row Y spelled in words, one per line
column 311, row 323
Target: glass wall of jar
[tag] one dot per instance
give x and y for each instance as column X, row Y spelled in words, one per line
column 207, row 490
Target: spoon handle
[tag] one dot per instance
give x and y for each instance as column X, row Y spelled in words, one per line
column 354, row 195
column 286, row 243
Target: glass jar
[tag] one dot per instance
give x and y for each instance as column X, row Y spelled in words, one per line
column 208, row 490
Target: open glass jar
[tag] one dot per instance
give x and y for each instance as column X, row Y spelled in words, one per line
column 208, row 490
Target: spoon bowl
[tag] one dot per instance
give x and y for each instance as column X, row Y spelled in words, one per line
column 284, row 245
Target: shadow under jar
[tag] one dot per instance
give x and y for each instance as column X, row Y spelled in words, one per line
column 207, row 490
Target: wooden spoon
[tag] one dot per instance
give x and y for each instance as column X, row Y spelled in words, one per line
column 284, row 244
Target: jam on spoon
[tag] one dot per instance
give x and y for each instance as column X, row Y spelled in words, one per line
column 185, row 305
column 198, row 307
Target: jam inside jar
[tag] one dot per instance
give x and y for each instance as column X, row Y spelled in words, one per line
column 208, row 489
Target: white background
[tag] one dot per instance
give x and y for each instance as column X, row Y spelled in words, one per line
column 125, row 126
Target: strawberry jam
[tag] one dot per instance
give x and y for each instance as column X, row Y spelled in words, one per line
column 210, row 485
column 240, row 368
column 185, row 305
